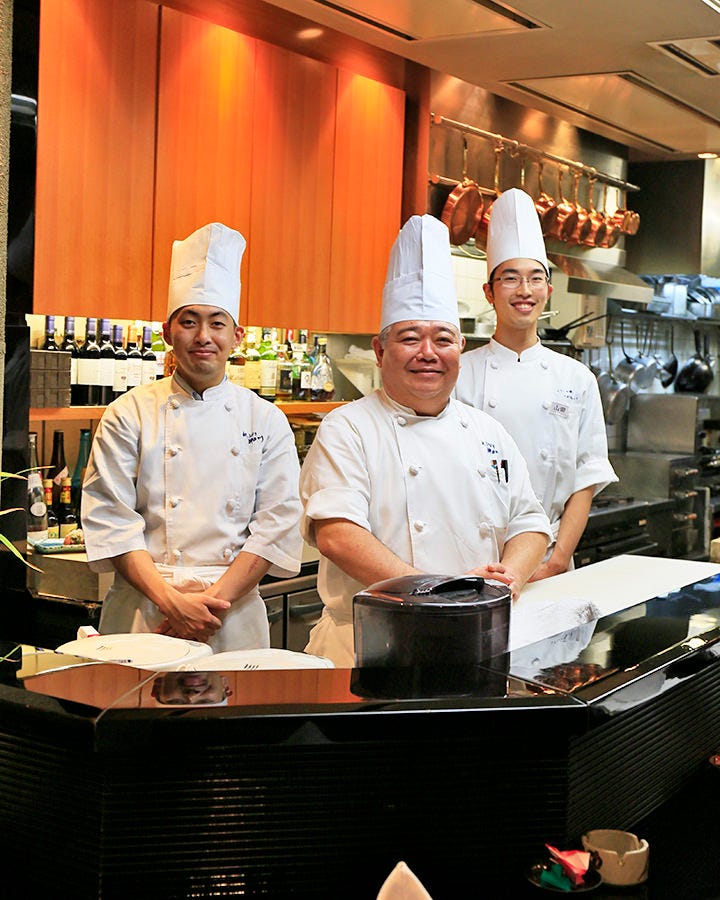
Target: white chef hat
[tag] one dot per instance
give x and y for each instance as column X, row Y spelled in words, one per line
column 419, row 283
column 205, row 270
column 514, row 231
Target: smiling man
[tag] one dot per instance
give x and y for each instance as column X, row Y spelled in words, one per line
column 549, row 402
column 191, row 488
column 408, row 480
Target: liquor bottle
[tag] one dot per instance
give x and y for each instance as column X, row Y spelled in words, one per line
column 268, row 367
column 106, row 365
column 235, row 368
column 322, row 383
column 52, row 520
column 120, row 375
column 50, row 343
column 252, row 363
column 159, row 349
column 284, row 372
column 301, row 374
column 37, row 525
column 72, row 348
column 67, row 517
column 148, row 367
column 89, row 367
column 58, row 467
column 79, row 471
column 134, row 359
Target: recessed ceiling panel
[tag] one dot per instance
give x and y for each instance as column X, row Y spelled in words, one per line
column 427, row 19
column 625, row 101
column 702, row 55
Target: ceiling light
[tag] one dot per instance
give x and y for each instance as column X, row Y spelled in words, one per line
column 713, row 4
column 708, row 155
column 309, row 34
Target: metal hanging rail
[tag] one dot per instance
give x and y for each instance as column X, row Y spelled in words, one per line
column 515, row 148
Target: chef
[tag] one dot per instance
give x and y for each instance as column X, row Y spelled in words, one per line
column 191, row 488
column 408, row 480
column 549, row 402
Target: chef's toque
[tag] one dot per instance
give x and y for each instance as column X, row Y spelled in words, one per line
column 419, row 284
column 514, row 231
column 205, row 270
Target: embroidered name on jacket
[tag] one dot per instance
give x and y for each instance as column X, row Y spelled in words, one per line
column 253, row 436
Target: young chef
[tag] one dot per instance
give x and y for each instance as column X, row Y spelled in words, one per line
column 191, row 487
column 408, row 480
column 550, row 403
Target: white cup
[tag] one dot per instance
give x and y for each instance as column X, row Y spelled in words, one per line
column 620, row 857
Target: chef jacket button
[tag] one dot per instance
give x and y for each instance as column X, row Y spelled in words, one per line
column 544, row 364
column 174, row 451
column 482, row 473
column 401, row 420
column 492, row 404
column 227, row 553
column 174, row 501
column 175, row 403
column 546, row 404
column 464, row 423
column 414, row 470
column 543, row 454
column 177, row 554
column 419, row 526
column 493, row 364
column 235, row 450
column 228, row 407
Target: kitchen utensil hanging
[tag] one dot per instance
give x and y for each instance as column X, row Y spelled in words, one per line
column 481, row 231
column 545, row 204
column 583, row 223
column 565, row 215
column 615, row 395
column 464, row 206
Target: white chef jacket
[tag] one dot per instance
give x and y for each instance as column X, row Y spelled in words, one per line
column 444, row 493
column 550, row 404
column 193, row 480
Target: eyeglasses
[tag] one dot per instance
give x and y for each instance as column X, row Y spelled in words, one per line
column 534, row 282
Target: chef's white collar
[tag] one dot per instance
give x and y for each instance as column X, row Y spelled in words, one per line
column 207, row 394
column 407, row 410
column 506, row 353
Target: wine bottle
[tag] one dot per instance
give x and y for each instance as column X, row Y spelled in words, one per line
column 106, row 364
column 89, row 367
column 37, row 525
column 50, row 343
column 252, row 363
column 322, row 383
column 235, row 368
column 120, row 376
column 268, row 367
column 159, row 349
column 52, row 520
column 78, row 474
column 72, row 348
column 58, row 467
column 301, row 374
column 134, row 359
column 148, row 368
column 67, row 517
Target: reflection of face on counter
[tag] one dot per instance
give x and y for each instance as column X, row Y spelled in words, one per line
column 190, row 688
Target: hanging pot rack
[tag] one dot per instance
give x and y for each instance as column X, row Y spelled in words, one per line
column 515, row 148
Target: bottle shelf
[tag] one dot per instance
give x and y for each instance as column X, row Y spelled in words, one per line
column 91, row 413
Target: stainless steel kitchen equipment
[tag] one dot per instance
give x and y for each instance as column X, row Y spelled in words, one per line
column 674, row 423
column 624, row 525
column 293, row 606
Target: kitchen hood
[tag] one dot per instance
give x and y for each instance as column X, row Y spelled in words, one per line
column 599, row 274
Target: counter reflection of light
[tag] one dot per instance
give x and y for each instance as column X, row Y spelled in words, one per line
column 309, row 34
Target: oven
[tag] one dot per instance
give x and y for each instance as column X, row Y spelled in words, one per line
column 293, row 607
column 624, row 525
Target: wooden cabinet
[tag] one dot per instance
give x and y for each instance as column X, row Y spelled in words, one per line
column 96, row 143
column 204, row 137
column 293, row 132
column 305, row 159
column 366, row 199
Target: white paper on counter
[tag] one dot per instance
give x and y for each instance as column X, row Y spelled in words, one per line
column 549, row 607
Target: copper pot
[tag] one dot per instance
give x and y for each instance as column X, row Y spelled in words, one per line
column 607, row 234
column 595, row 217
column 463, row 207
column 565, row 215
column 583, row 223
column 545, row 205
column 481, row 231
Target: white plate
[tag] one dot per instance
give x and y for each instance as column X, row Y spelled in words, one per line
column 156, row 652
column 241, row 660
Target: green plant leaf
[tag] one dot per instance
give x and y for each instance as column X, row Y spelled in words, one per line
column 14, row 550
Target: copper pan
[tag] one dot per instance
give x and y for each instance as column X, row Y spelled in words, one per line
column 583, row 223
column 596, row 218
column 565, row 215
column 545, row 205
column 608, row 234
column 463, row 207
column 481, row 232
